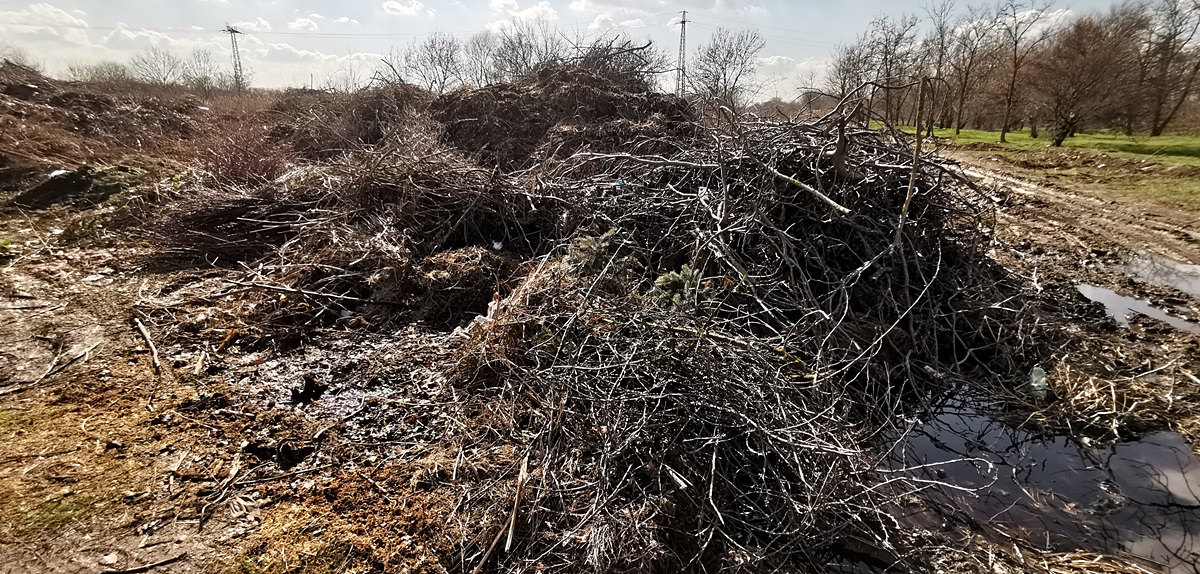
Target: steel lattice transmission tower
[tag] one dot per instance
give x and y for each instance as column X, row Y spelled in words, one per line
column 679, row 79
column 239, row 81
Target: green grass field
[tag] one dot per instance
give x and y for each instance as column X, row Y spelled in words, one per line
column 1180, row 188
column 1183, row 150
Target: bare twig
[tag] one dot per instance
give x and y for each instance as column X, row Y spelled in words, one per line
column 149, row 567
column 149, row 343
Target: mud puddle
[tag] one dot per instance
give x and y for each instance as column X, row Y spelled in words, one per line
column 1148, row 268
column 1138, row 499
column 1119, row 307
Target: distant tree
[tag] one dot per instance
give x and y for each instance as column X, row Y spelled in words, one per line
column 1086, row 71
column 723, row 69
column 156, row 66
column 851, row 68
column 434, row 63
column 348, row 78
column 524, row 46
column 202, row 73
column 478, row 64
column 970, row 57
column 392, row 69
column 105, row 72
column 937, row 54
column 1171, row 60
column 1022, row 30
column 18, row 55
column 895, row 59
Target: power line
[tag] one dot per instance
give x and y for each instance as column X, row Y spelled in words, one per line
column 774, row 38
column 780, row 28
column 368, row 36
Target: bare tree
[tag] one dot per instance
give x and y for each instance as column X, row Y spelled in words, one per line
column 1171, row 60
column 156, row 66
column 478, row 63
column 106, row 72
column 850, row 68
column 723, row 69
column 392, row 70
column 937, row 48
column 18, row 56
column 348, row 78
column 434, row 63
column 974, row 37
column 895, row 59
column 524, row 46
column 1087, row 70
column 1022, row 32
column 202, row 73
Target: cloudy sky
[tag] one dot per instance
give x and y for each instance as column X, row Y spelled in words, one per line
column 287, row 43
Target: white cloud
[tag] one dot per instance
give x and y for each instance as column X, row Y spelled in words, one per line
column 739, row 8
column 541, row 11
column 286, row 53
column 257, row 25
column 407, row 8
column 39, row 20
column 503, row 6
column 775, row 61
column 125, row 39
column 605, row 22
column 279, row 52
column 345, row 20
column 625, row 7
column 316, row 16
column 302, row 24
column 602, row 22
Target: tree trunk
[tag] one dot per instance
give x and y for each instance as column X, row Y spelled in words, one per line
column 1009, row 97
column 1064, row 128
column 962, row 103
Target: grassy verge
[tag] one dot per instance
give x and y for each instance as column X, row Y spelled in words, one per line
column 1182, row 150
column 1161, row 169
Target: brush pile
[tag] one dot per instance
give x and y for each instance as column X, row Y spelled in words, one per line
column 689, row 339
column 47, row 125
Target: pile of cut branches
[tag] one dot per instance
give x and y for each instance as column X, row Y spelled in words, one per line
column 693, row 338
column 699, row 378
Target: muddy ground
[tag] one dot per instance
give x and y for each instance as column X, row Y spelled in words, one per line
column 199, row 446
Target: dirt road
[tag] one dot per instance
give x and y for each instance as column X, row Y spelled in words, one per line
column 1050, row 210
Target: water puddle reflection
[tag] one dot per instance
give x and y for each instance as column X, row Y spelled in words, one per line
column 1139, row 499
column 1119, row 307
column 1149, row 268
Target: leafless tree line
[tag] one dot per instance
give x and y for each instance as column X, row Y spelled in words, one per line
column 201, row 71
column 441, row 62
column 720, row 71
column 1023, row 64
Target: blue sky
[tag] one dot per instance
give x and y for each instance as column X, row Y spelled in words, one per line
column 289, row 42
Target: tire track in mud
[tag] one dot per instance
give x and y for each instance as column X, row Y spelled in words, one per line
column 1090, row 219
